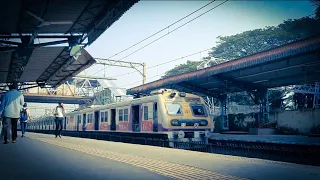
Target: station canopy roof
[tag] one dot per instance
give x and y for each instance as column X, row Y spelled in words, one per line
column 38, row 36
column 290, row 64
column 44, row 66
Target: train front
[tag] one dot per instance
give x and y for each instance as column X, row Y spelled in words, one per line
column 186, row 117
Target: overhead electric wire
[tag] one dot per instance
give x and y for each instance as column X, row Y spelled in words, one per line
column 174, row 29
column 161, row 30
column 170, row 31
column 176, row 59
column 140, row 80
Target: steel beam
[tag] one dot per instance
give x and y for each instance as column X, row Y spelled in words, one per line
column 224, row 122
column 110, row 62
column 127, row 64
column 93, row 77
column 60, row 60
column 198, row 89
column 40, row 36
column 19, row 60
column 10, row 43
column 230, row 82
column 110, row 13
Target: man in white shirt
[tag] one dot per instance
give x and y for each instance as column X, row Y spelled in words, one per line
column 59, row 114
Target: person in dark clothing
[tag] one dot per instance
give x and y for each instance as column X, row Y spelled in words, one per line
column 59, row 114
column 24, row 118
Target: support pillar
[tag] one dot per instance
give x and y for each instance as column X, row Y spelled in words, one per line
column 224, row 123
column 316, row 98
column 261, row 99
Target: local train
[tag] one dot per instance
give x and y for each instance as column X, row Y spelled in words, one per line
column 180, row 115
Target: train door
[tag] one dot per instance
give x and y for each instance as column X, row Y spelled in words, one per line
column 78, row 122
column 65, row 123
column 96, row 120
column 84, row 122
column 155, row 117
column 113, row 119
column 135, row 118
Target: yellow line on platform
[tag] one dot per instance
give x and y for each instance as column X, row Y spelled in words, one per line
column 173, row 170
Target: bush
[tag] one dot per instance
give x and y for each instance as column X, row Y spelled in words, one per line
column 283, row 130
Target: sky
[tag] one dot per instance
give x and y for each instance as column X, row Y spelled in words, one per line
column 148, row 17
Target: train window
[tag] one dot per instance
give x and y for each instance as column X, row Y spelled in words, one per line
column 145, row 113
column 174, row 109
column 102, row 117
column 125, row 115
column 120, row 114
column 90, row 118
column 198, row 110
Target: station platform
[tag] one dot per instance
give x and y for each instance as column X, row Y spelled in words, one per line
column 277, row 139
column 41, row 156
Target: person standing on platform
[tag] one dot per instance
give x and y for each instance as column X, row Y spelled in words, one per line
column 24, row 117
column 10, row 107
column 59, row 114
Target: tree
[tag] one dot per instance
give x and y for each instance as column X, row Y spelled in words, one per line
column 254, row 41
column 182, row 68
column 316, row 4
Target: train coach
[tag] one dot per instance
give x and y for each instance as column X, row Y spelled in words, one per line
column 179, row 115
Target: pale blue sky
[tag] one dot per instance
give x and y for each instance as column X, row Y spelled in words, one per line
column 148, row 17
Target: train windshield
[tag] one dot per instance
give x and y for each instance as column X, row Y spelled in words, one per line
column 174, row 109
column 198, row 110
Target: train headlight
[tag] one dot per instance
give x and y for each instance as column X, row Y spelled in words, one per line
column 203, row 123
column 175, row 122
column 181, row 134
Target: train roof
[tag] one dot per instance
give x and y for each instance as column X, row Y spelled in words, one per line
column 154, row 95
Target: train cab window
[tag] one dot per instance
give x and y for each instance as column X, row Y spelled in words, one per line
column 145, row 113
column 198, row 110
column 174, row 109
column 125, row 115
column 120, row 114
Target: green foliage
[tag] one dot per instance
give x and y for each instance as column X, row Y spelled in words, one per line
column 284, row 130
column 275, row 98
column 241, row 98
column 315, row 129
column 182, row 68
column 254, row 41
column 316, row 4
